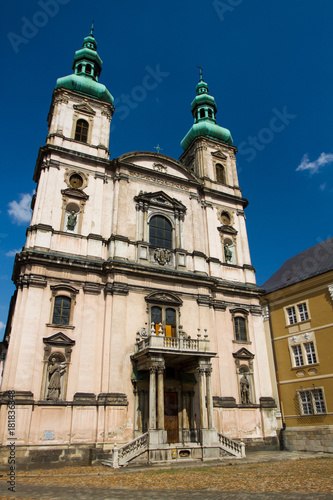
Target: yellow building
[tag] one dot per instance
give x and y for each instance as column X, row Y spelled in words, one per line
column 298, row 308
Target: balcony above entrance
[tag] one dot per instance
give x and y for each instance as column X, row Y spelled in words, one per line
column 175, row 350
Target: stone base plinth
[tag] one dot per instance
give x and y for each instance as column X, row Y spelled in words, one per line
column 208, row 437
column 309, row 438
column 157, row 437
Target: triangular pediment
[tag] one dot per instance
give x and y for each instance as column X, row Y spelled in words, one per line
column 161, row 200
column 243, row 353
column 219, row 155
column 59, row 339
column 84, row 108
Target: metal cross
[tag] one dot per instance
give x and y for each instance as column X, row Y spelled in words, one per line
column 92, row 28
column 158, row 149
column 200, row 72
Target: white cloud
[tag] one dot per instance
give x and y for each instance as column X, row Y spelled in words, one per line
column 12, row 253
column 20, row 211
column 2, row 325
column 314, row 166
column 323, row 186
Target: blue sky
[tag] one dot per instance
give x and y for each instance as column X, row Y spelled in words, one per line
column 268, row 65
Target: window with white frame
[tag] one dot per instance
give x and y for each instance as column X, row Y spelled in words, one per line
column 310, row 352
column 303, row 311
column 303, row 350
column 291, row 312
column 311, row 401
column 298, row 357
column 297, row 313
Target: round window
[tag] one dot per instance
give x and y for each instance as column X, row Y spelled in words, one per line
column 76, row 181
column 225, row 217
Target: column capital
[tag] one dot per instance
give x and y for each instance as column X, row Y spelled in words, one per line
column 208, row 371
column 161, row 367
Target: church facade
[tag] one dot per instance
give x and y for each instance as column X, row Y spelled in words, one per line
column 137, row 314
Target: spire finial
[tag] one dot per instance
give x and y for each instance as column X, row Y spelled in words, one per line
column 201, row 79
column 92, row 29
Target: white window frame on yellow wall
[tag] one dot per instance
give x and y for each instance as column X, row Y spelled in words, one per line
column 309, row 403
column 303, row 350
column 297, row 313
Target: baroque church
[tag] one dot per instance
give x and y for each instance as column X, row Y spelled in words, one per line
column 136, row 327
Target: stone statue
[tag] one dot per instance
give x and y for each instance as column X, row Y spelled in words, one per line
column 71, row 221
column 55, row 370
column 227, row 253
column 245, row 390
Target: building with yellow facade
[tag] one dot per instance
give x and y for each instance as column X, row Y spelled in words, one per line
column 298, row 309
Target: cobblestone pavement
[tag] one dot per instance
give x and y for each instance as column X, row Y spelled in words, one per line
column 49, row 483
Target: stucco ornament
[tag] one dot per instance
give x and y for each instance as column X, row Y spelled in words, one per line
column 162, row 255
column 143, row 333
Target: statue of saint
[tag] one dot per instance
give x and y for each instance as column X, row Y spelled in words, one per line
column 55, row 370
column 245, row 390
column 71, row 221
column 227, row 253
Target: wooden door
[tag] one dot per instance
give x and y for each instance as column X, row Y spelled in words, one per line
column 171, row 416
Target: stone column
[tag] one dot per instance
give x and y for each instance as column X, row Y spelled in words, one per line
column 209, row 394
column 203, row 413
column 144, row 222
column 136, row 409
column 186, row 410
column 192, row 412
column 152, row 398
column 145, row 420
column 177, row 232
column 160, row 397
column 141, row 411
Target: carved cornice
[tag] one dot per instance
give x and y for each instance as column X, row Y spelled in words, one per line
column 31, row 280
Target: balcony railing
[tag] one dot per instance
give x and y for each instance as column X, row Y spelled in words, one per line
column 180, row 343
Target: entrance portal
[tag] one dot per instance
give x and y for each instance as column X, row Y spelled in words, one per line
column 171, row 416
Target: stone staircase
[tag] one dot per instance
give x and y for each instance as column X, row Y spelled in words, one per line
column 127, row 452
column 133, row 449
column 231, row 447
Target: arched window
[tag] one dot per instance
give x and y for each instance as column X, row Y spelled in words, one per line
column 240, row 329
column 61, row 311
column 160, row 232
column 202, row 113
column 170, row 322
column 79, row 68
column 81, row 131
column 220, row 173
column 210, row 114
column 88, row 69
column 165, row 316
